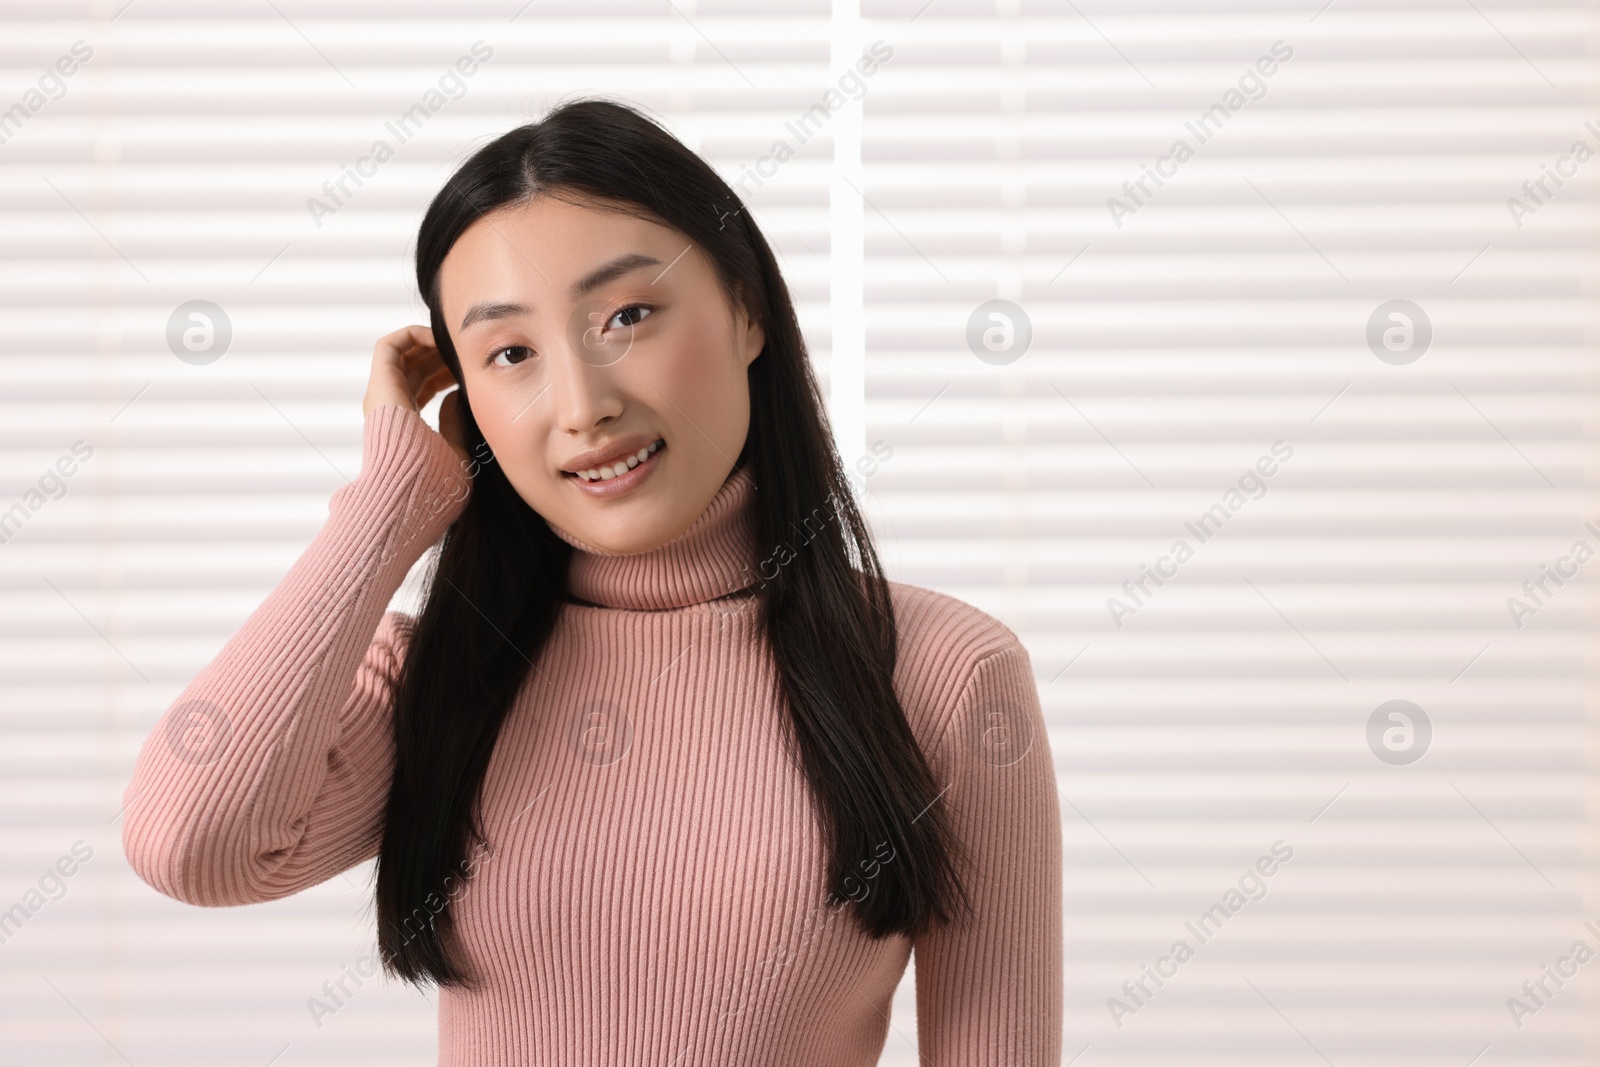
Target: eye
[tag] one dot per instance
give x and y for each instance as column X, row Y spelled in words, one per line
column 645, row 308
column 514, row 354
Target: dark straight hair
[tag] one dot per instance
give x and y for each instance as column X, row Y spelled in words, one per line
column 499, row 580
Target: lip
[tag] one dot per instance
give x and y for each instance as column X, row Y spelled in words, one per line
column 622, row 483
column 607, row 455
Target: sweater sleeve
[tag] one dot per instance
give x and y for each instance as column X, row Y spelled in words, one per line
column 989, row 991
column 270, row 772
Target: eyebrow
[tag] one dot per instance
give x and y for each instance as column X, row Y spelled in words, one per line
column 582, row 287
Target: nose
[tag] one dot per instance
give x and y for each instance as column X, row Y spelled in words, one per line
column 583, row 395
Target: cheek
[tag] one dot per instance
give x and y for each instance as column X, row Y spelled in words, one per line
column 709, row 399
column 508, row 427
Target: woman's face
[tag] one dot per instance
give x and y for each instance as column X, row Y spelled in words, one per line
column 586, row 336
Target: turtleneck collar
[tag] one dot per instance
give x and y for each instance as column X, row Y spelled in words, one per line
column 714, row 557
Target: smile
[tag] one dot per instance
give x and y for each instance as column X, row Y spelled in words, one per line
column 621, row 466
column 620, row 476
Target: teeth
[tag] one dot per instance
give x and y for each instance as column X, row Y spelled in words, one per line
column 622, row 466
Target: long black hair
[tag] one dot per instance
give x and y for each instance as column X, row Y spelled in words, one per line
column 499, row 579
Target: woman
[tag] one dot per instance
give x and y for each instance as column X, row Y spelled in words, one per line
column 664, row 771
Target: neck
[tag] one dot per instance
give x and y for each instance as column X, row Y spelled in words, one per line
column 714, row 557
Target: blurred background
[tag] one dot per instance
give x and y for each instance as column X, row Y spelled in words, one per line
column 1235, row 353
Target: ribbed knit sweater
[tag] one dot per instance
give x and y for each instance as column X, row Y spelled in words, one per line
column 654, row 892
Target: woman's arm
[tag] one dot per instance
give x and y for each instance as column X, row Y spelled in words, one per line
column 269, row 773
column 989, row 993
column 271, row 770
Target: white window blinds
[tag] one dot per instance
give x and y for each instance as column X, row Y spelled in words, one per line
column 1235, row 355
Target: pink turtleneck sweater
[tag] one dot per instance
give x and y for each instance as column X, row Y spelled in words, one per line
column 653, row 890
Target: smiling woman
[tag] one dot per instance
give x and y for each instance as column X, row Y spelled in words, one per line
column 586, row 335
column 635, row 796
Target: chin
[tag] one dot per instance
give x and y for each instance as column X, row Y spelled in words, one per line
column 625, row 531
column 622, row 546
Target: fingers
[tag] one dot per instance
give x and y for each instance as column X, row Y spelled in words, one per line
column 431, row 385
column 422, row 369
column 408, row 369
column 431, row 379
column 405, row 366
column 410, row 351
column 404, row 340
column 404, row 347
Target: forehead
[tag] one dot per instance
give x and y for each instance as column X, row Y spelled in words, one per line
column 545, row 244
